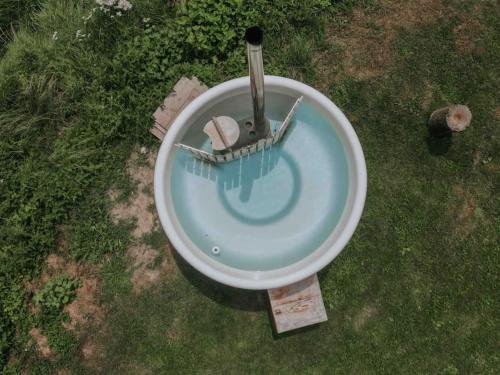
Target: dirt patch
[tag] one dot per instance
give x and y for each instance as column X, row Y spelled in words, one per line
column 476, row 158
column 366, row 41
column 140, row 206
column 41, row 342
column 147, row 266
column 172, row 334
column 403, row 14
column 462, row 210
column 91, row 353
column 84, row 309
column 57, row 263
column 88, row 350
column 362, row 317
column 427, row 96
column 467, row 35
column 135, row 368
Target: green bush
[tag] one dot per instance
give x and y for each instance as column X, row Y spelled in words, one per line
column 56, row 293
column 211, row 29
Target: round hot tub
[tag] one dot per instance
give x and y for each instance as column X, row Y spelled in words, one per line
column 268, row 219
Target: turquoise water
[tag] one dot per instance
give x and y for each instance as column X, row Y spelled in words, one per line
column 271, row 209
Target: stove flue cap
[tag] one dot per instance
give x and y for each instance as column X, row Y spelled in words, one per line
column 254, row 35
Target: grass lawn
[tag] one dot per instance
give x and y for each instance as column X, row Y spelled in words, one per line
column 88, row 280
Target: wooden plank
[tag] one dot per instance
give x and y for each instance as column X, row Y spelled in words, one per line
column 284, row 126
column 260, row 144
column 184, row 92
column 269, row 142
column 229, row 156
column 297, row 305
column 200, row 154
column 157, row 133
column 253, row 148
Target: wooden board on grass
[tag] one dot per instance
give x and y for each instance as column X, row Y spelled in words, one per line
column 297, row 305
column 184, row 92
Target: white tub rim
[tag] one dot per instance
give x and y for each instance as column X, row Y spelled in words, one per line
column 309, row 265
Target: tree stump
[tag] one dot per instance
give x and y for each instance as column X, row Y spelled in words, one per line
column 454, row 118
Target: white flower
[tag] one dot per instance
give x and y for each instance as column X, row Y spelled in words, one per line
column 88, row 17
column 143, row 150
column 108, row 3
column 146, row 20
column 123, row 4
column 79, row 34
column 119, row 14
column 54, row 36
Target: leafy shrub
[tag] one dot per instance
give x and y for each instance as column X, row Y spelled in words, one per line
column 213, row 28
column 203, row 33
column 56, row 293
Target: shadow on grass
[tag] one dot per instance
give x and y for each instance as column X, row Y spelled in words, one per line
column 240, row 299
column 298, row 331
column 438, row 142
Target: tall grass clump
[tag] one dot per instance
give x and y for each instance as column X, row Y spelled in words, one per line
column 13, row 13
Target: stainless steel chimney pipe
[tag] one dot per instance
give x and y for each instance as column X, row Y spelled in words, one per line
column 254, row 37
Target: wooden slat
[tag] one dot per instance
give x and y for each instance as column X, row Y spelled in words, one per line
column 261, row 144
column 184, row 92
column 284, row 126
column 157, row 133
column 297, row 305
